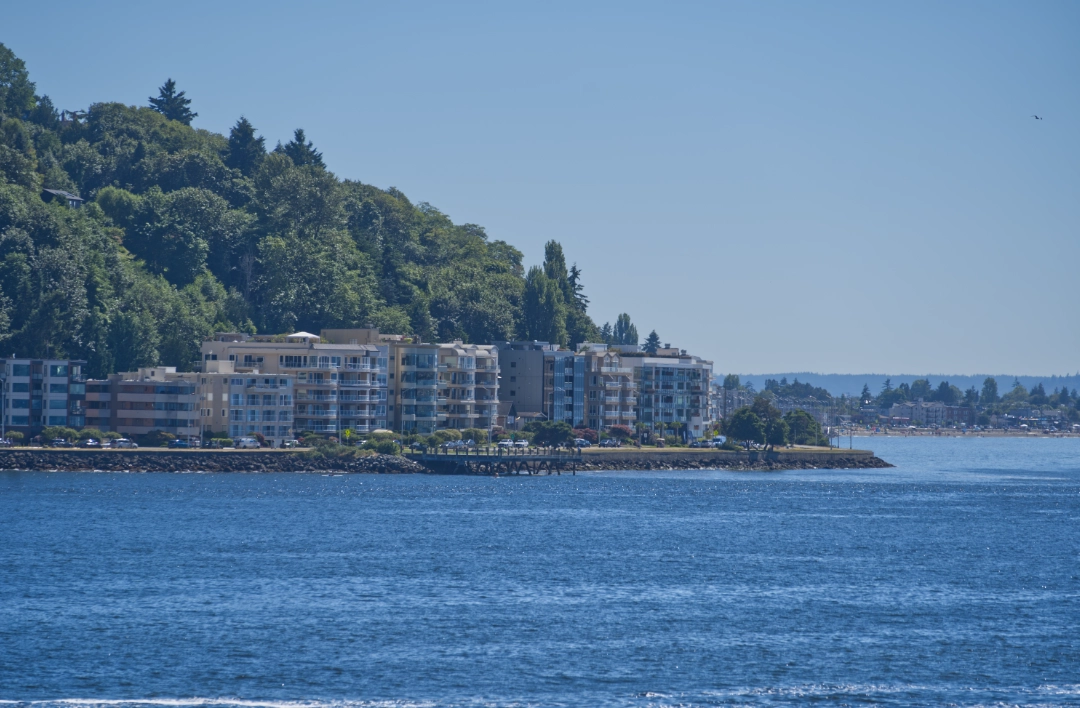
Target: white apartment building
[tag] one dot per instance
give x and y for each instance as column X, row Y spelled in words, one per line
column 674, row 388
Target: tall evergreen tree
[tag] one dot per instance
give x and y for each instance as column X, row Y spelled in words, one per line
column 301, row 150
column 246, row 152
column 652, row 343
column 625, row 332
column 989, row 391
column 543, row 310
column 581, row 302
column 172, row 104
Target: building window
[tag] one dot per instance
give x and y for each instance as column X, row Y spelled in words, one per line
column 58, row 420
column 20, row 369
column 58, row 370
column 57, row 404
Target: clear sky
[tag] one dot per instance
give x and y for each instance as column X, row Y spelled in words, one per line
column 834, row 187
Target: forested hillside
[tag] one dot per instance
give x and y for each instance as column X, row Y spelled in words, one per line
column 184, row 231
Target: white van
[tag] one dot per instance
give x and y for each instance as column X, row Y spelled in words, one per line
column 246, row 444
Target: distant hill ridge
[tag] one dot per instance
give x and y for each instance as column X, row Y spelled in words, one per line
column 852, row 384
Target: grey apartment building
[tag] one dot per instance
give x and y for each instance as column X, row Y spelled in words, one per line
column 40, row 393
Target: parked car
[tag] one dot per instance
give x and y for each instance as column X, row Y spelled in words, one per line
column 454, row 444
column 521, row 443
column 247, row 444
column 610, row 442
column 174, row 444
column 60, row 442
column 296, row 443
column 89, row 442
column 582, row 442
column 125, row 443
column 106, row 444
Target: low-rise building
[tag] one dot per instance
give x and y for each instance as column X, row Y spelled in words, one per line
column 158, row 398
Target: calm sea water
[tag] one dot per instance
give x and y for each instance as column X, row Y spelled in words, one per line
column 953, row 578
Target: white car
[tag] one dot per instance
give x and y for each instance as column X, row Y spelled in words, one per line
column 506, row 443
column 521, row 443
column 124, row 443
column 246, row 444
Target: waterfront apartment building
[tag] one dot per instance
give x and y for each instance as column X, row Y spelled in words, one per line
column 543, row 381
column 246, row 404
column 340, row 377
column 609, row 387
column 468, row 385
column 438, row 386
column 40, row 393
column 138, row 402
column 673, row 388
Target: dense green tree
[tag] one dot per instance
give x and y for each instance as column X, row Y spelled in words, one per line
column 625, row 332
column 551, row 433
column 543, row 311
column 1018, row 395
column 804, row 428
column 173, row 104
column 920, row 389
column 606, row 334
column 1037, row 395
column 731, row 382
column 301, row 150
column 745, row 426
column 186, row 231
column 947, row 394
column 971, row 397
column 246, row 151
column 989, row 393
column 652, row 343
column 776, row 432
column 866, row 398
column 16, row 88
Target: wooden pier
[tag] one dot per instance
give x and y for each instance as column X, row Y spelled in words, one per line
column 498, row 461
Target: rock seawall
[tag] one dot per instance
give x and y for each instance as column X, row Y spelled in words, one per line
column 258, row 461
column 199, row 461
column 677, row 459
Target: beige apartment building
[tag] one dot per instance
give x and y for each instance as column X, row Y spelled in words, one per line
column 339, row 378
column 241, row 404
column 610, row 389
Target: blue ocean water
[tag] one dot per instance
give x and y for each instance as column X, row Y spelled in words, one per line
column 953, row 578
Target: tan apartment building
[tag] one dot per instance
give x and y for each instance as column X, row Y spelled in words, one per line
column 436, row 386
column 610, row 390
column 243, row 404
column 340, row 377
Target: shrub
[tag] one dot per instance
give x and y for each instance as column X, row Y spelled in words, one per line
column 478, row 434
column 15, row 437
column 155, row 438
column 59, row 432
column 87, row 433
column 386, row 447
column 672, row 440
column 111, row 435
column 622, row 432
column 587, row 434
column 552, row 433
column 447, row 435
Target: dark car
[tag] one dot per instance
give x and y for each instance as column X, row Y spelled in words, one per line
column 609, row 442
column 89, row 442
column 60, row 442
column 179, row 443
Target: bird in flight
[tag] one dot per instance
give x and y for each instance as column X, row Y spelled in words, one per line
column 1036, row 117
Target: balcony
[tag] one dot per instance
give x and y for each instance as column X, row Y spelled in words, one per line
column 319, row 414
column 353, row 383
column 615, row 370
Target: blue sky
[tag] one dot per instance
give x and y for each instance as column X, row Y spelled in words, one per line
column 835, row 187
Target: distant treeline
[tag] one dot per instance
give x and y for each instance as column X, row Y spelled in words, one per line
column 851, row 385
